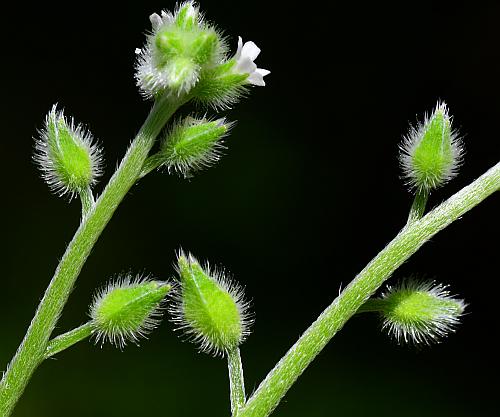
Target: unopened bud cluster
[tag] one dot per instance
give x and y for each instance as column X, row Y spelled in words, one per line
column 127, row 309
column 209, row 308
column 67, row 155
column 432, row 151
column 183, row 51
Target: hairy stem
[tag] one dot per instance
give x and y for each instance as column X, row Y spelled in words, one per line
column 31, row 352
column 417, row 209
column 407, row 242
column 68, row 339
column 236, row 380
column 87, row 200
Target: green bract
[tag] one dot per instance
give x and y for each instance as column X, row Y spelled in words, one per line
column 431, row 153
column 127, row 309
column 209, row 308
column 65, row 153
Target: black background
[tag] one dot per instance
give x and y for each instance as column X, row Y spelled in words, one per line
column 308, row 193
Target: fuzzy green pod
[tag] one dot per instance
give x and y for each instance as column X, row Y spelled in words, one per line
column 209, row 308
column 192, row 144
column 127, row 309
column 418, row 312
column 67, row 155
column 432, row 152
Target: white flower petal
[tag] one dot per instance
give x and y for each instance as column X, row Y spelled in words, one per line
column 156, row 20
column 245, row 66
column 256, row 78
column 238, row 52
column 250, row 50
column 263, row 72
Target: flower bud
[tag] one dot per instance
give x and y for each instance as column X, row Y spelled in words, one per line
column 127, row 309
column 419, row 312
column 432, row 152
column 209, row 307
column 67, row 155
column 193, row 144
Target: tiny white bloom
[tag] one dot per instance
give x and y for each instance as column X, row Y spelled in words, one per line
column 245, row 57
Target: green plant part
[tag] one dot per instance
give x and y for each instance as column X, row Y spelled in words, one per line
column 127, row 309
column 191, row 145
column 417, row 312
column 432, row 151
column 180, row 46
column 66, row 168
column 209, row 308
column 67, row 155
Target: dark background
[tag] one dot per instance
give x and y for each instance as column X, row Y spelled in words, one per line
column 308, row 193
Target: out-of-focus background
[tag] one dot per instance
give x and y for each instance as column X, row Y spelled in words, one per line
column 308, row 192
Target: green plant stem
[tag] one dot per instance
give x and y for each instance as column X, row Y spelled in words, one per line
column 150, row 164
column 31, row 352
column 87, row 200
column 236, row 380
column 373, row 305
column 68, row 339
column 417, row 209
column 407, row 242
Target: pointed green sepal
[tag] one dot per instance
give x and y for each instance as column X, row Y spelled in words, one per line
column 187, row 16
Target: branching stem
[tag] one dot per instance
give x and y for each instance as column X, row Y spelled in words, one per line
column 407, row 242
column 417, row 209
column 68, row 339
column 32, row 350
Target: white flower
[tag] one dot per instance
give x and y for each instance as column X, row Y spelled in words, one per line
column 245, row 55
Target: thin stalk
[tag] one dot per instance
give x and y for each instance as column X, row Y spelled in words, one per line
column 87, row 200
column 68, row 339
column 407, row 242
column 373, row 305
column 150, row 164
column 417, row 209
column 31, row 352
column 236, row 380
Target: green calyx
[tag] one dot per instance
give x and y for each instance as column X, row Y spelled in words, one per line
column 431, row 154
column 127, row 310
column 192, row 145
column 220, row 86
column 209, row 309
column 66, row 155
column 418, row 312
